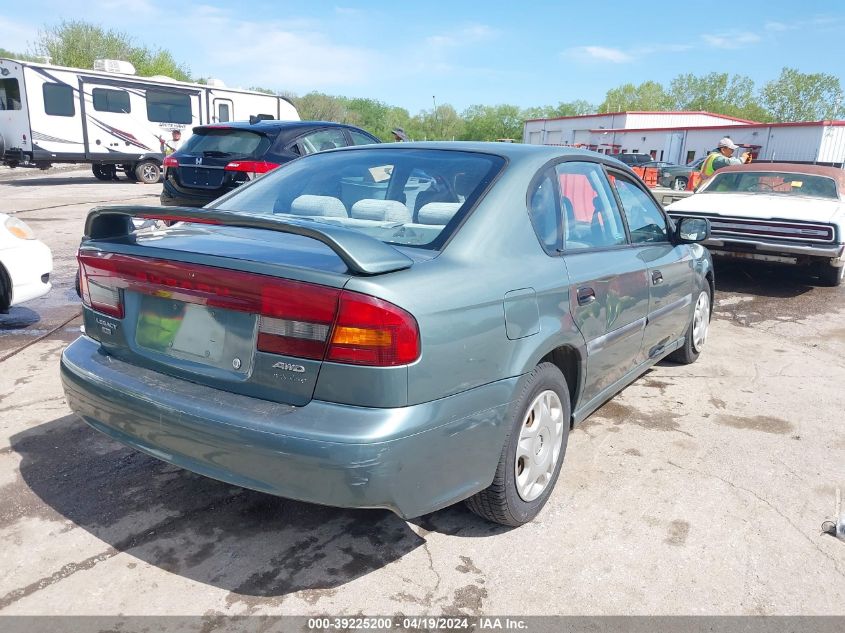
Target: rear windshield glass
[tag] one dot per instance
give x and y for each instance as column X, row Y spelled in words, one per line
column 227, row 143
column 410, row 197
column 771, row 182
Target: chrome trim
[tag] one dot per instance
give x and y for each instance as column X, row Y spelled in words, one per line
column 833, row 251
column 601, row 342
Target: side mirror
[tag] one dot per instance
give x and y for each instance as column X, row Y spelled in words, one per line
column 693, row 230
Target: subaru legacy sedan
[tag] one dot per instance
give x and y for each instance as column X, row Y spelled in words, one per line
column 388, row 326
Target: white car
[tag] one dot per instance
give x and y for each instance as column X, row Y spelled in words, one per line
column 25, row 263
column 775, row 212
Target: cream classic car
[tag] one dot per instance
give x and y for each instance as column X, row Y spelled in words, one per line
column 775, row 212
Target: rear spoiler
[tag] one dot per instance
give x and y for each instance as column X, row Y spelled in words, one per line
column 362, row 254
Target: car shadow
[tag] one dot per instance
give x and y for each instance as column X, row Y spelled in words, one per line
column 249, row 543
column 764, row 280
column 18, row 318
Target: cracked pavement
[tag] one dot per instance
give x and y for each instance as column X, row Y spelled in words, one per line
column 698, row 490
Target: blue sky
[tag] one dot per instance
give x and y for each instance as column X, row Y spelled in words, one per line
column 531, row 53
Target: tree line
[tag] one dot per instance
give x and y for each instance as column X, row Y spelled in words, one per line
column 792, row 96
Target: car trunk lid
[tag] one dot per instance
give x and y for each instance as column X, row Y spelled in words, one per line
column 257, row 317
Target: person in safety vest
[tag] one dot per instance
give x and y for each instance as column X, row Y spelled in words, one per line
column 722, row 156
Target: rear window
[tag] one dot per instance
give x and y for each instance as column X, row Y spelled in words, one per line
column 780, row 183
column 10, row 94
column 227, row 143
column 409, row 197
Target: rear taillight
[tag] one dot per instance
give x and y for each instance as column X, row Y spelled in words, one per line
column 371, row 331
column 99, row 292
column 253, row 168
column 171, row 162
column 294, row 318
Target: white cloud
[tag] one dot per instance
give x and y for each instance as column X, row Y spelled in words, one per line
column 470, row 34
column 599, row 53
column 731, row 40
column 778, row 26
column 289, row 55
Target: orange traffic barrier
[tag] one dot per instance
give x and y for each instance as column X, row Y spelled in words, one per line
column 694, row 180
column 640, row 171
column 650, row 175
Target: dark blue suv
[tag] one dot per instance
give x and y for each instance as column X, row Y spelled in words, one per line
column 219, row 158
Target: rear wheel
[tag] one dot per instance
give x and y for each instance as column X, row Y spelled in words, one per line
column 679, row 184
column 148, row 172
column 129, row 170
column 696, row 335
column 104, row 172
column 831, row 275
column 531, row 459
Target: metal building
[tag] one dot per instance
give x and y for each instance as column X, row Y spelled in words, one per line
column 682, row 137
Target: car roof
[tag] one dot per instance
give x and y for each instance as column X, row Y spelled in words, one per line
column 793, row 168
column 527, row 155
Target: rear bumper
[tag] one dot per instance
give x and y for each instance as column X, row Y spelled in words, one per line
column 446, row 450
column 173, row 196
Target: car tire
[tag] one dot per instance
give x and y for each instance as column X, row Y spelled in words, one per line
column 831, row 275
column 129, row 171
column 696, row 334
column 148, row 172
column 5, row 291
column 680, row 184
column 103, row 172
column 539, row 431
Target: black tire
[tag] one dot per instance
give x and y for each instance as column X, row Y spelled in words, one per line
column 148, row 172
column 5, row 291
column 831, row 275
column 104, row 172
column 690, row 351
column 680, row 184
column 501, row 501
column 129, row 171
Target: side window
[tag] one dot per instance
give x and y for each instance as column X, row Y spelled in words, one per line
column 361, row 139
column 10, row 94
column 591, row 217
column 223, row 113
column 58, row 100
column 110, row 100
column 168, row 107
column 645, row 221
column 321, row 140
column 544, row 212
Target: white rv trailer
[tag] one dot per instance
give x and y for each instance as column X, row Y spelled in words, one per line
column 114, row 121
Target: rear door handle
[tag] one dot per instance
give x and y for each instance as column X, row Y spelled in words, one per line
column 586, row 296
column 656, row 277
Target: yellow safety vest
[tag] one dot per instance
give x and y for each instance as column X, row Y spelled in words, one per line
column 707, row 166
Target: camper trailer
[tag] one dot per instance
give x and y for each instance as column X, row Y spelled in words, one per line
column 110, row 118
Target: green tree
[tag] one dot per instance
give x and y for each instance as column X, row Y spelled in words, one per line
column 796, row 96
column 77, row 44
column 317, row 106
column 720, row 93
column 488, row 123
column 21, row 56
column 649, row 95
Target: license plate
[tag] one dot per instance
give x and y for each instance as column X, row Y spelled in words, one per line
column 209, row 336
